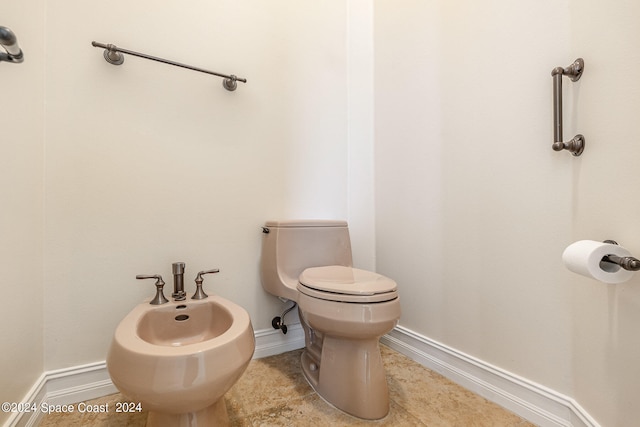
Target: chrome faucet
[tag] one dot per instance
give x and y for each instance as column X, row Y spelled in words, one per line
column 178, row 281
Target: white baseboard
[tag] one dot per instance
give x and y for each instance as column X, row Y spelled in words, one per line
column 63, row 387
column 270, row 342
column 534, row 402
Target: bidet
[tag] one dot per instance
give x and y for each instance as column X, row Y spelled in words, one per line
column 178, row 359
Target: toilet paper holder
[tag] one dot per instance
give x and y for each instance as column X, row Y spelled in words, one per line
column 628, row 262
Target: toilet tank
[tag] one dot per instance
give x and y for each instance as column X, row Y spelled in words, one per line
column 291, row 246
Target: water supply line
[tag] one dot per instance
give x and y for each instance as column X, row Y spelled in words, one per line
column 113, row 55
column 278, row 321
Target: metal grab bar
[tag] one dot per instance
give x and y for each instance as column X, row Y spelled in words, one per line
column 574, row 71
column 113, row 55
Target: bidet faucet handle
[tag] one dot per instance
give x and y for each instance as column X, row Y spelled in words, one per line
column 151, row 276
column 159, row 298
column 199, row 292
column 200, row 274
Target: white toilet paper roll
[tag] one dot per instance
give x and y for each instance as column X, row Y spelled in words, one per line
column 585, row 257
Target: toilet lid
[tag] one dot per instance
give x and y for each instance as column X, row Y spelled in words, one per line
column 346, row 284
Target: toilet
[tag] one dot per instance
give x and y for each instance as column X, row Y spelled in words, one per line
column 343, row 311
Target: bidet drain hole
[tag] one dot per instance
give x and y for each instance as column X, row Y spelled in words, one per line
column 182, row 317
column 181, row 306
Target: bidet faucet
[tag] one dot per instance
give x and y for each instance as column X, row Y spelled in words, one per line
column 200, row 294
column 159, row 298
column 178, row 281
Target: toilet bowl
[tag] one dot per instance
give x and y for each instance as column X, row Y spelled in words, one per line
column 179, row 359
column 343, row 311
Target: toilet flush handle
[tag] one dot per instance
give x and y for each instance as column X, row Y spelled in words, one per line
column 159, row 298
column 199, row 292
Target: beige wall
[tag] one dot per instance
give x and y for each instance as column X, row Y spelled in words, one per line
column 606, row 205
column 21, row 195
column 149, row 164
column 468, row 186
column 360, row 132
column 116, row 171
column 123, row 170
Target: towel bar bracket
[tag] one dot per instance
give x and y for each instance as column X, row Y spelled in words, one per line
column 573, row 71
column 575, row 146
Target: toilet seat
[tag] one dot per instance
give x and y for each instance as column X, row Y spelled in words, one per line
column 346, row 284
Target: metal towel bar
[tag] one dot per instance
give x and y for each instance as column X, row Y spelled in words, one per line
column 113, row 55
column 574, row 72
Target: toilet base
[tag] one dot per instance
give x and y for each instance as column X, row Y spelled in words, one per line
column 349, row 375
column 214, row 415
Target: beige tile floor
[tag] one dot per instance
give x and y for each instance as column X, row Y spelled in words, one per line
column 273, row 392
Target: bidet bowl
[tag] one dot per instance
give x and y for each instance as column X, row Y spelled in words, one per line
column 183, row 324
column 183, row 356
